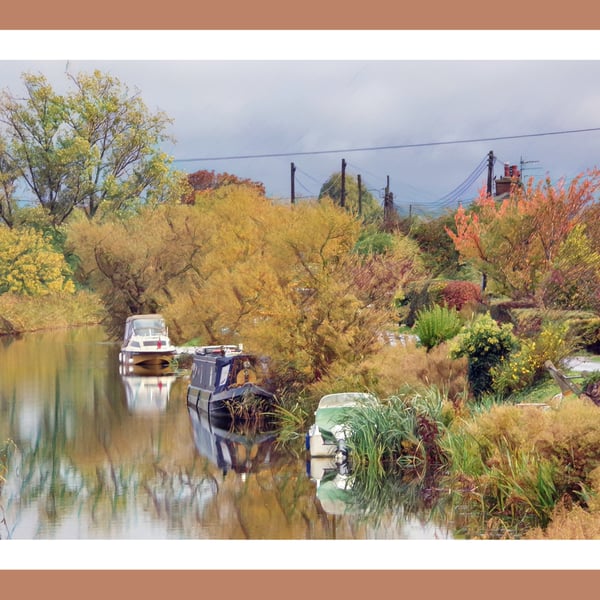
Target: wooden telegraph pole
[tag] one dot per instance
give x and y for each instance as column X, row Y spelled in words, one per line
column 359, row 195
column 388, row 206
column 293, row 192
column 490, row 172
column 343, row 190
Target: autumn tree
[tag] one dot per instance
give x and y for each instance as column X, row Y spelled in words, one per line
column 369, row 207
column 8, row 177
column 286, row 281
column 30, row 266
column 93, row 147
column 573, row 282
column 131, row 263
column 516, row 242
column 203, row 182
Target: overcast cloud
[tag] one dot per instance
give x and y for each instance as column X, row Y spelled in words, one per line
column 229, row 108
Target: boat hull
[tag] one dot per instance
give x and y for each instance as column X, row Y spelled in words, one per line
column 318, row 447
column 240, row 403
column 148, row 359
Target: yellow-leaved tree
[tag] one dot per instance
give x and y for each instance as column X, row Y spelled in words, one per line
column 286, row 281
column 30, row 266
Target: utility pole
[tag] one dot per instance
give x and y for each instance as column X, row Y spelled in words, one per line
column 293, row 192
column 388, row 203
column 490, row 172
column 359, row 195
column 343, row 191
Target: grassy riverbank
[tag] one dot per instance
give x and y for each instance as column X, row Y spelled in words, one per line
column 22, row 314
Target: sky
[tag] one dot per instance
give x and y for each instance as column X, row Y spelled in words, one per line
column 391, row 104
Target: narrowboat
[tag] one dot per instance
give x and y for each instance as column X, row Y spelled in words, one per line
column 146, row 342
column 227, row 383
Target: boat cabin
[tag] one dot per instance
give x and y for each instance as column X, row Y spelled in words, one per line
column 144, row 325
column 219, row 368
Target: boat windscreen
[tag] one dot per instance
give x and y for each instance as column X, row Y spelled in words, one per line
column 148, row 326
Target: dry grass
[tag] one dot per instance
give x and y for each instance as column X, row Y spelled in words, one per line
column 530, row 463
column 401, row 367
column 574, row 523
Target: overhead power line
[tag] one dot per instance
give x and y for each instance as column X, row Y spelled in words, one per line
column 389, row 147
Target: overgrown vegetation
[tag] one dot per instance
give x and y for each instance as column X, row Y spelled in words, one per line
column 517, row 463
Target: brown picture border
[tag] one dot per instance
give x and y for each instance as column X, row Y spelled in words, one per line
column 310, row 14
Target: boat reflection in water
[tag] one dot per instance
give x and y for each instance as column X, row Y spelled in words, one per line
column 147, row 390
column 334, row 485
column 235, row 446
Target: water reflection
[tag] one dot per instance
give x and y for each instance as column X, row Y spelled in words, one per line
column 239, row 447
column 333, row 484
column 378, row 502
column 101, row 454
column 147, row 393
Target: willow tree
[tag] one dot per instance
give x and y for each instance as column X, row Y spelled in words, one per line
column 285, row 281
column 93, row 147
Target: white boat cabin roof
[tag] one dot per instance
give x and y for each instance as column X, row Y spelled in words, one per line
column 151, row 323
column 347, row 399
column 149, row 316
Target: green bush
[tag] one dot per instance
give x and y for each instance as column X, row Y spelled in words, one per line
column 485, row 343
column 436, row 325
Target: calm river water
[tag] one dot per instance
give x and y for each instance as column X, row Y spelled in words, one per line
column 92, row 454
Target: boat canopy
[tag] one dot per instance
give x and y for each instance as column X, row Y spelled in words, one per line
column 145, row 325
column 346, row 399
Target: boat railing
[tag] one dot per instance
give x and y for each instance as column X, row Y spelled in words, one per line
column 223, row 350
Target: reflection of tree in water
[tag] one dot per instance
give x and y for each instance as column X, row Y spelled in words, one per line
column 373, row 501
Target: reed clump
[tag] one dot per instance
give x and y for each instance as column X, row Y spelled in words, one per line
column 401, row 435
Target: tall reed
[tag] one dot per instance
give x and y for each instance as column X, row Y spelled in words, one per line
column 400, row 435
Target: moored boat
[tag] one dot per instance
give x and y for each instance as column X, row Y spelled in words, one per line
column 226, row 383
column 146, row 342
column 327, row 435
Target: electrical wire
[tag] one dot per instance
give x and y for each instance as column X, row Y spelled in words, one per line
column 389, row 147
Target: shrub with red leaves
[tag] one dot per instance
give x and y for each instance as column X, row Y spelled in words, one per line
column 457, row 294
column 206, row 181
